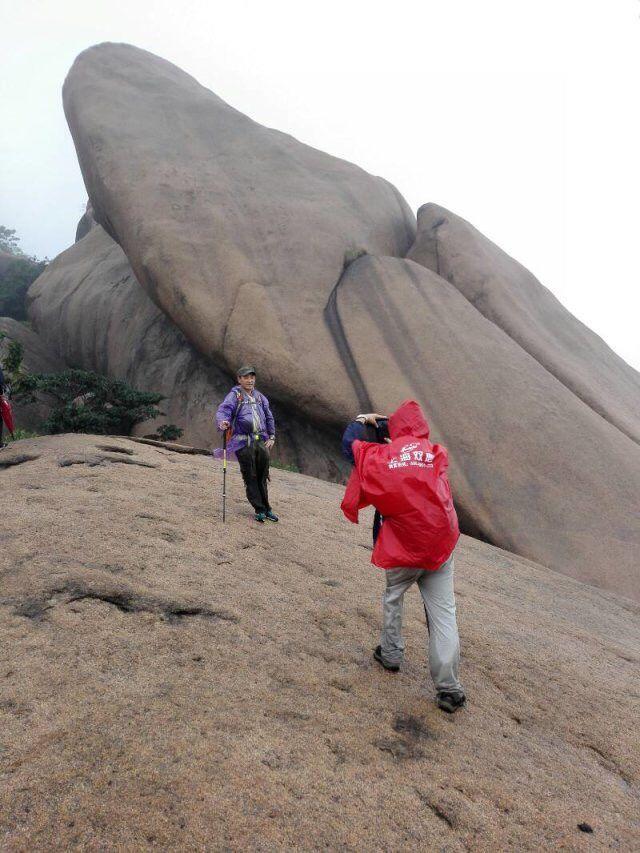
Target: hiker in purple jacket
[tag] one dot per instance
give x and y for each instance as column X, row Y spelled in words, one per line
column 246, row 414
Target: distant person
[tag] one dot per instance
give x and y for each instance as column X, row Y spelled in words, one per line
column 3, row 391
column 246, row 415
column 406, row 480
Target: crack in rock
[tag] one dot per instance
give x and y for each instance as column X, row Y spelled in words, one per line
column 18, row 459
column 92, row 460
column 607, row 763
column 436, row 808
column 127, row 601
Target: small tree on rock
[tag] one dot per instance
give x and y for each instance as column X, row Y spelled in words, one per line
column 81, row 401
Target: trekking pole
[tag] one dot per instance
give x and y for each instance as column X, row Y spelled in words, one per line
column 224, row 476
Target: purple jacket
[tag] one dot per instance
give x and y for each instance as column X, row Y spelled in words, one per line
column 231, row 408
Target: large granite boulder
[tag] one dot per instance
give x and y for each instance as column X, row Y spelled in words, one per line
column 94, row 315
column 244, row 242
column 238, row 232
column 533, row 468
column 512, row 298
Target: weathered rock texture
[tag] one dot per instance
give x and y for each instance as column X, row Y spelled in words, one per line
column 170, row 682
column 512, row 298
column 92, row 312
column 245, row 240
column 532, row 466
column 37, row 358
column 238, row 232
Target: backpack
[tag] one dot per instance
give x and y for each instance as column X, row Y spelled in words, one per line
column 236, row 412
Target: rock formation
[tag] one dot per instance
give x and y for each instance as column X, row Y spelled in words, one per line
column 511, row 297
column 238, row 232
column 532, row 467
column 171, row 682
column 252, row 247
column 93, row 313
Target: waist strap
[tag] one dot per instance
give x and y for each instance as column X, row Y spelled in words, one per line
column 252, row 436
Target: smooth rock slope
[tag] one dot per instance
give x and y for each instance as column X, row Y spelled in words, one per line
column 172, row 682
column 532, row 467
column 238, row 232
column 252, row 247
column 511, row 297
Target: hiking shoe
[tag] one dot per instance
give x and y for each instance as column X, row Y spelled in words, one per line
column 451, row 702
column 271, row 516
column 260, row 516
column 392, row 667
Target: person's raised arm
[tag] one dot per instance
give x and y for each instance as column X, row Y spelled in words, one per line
column 353, row 500
column 353, row 432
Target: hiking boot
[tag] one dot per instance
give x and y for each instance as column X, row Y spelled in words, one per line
column 271, row 516
column 392, row 667
column 260, row 516
column 451, row 702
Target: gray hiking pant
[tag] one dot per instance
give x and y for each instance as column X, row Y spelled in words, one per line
column 436, row 588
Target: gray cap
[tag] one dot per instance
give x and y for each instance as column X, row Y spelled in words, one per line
column 246, row 370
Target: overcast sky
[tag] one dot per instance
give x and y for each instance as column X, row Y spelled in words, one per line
column 521, row 117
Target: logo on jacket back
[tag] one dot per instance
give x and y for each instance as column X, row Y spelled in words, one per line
column 410, row 456
column 409, row 447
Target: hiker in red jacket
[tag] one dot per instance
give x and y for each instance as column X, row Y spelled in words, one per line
column 406, row 480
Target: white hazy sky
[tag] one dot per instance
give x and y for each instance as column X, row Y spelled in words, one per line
column 521, row 117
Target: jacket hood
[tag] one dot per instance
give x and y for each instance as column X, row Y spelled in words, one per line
column 408, row 420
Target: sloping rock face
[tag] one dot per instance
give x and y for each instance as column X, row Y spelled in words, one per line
column 37, row 358
column 512, row 298
column 243, row 239
column 238, row 232
column 92, row 312
column 86, row 223
column 170, row 682
column 532, row 466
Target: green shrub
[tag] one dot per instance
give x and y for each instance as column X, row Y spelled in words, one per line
column 88, row 402
column 284, row 466
column 20, row 433
column 12, row 361
column 81, row 401
column 169, row 432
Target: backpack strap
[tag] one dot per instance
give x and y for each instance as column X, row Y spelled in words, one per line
column 235, row 414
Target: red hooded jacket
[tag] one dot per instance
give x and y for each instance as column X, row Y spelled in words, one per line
column 407, row 481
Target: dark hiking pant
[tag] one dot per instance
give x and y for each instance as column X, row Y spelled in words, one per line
column 254, row 465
